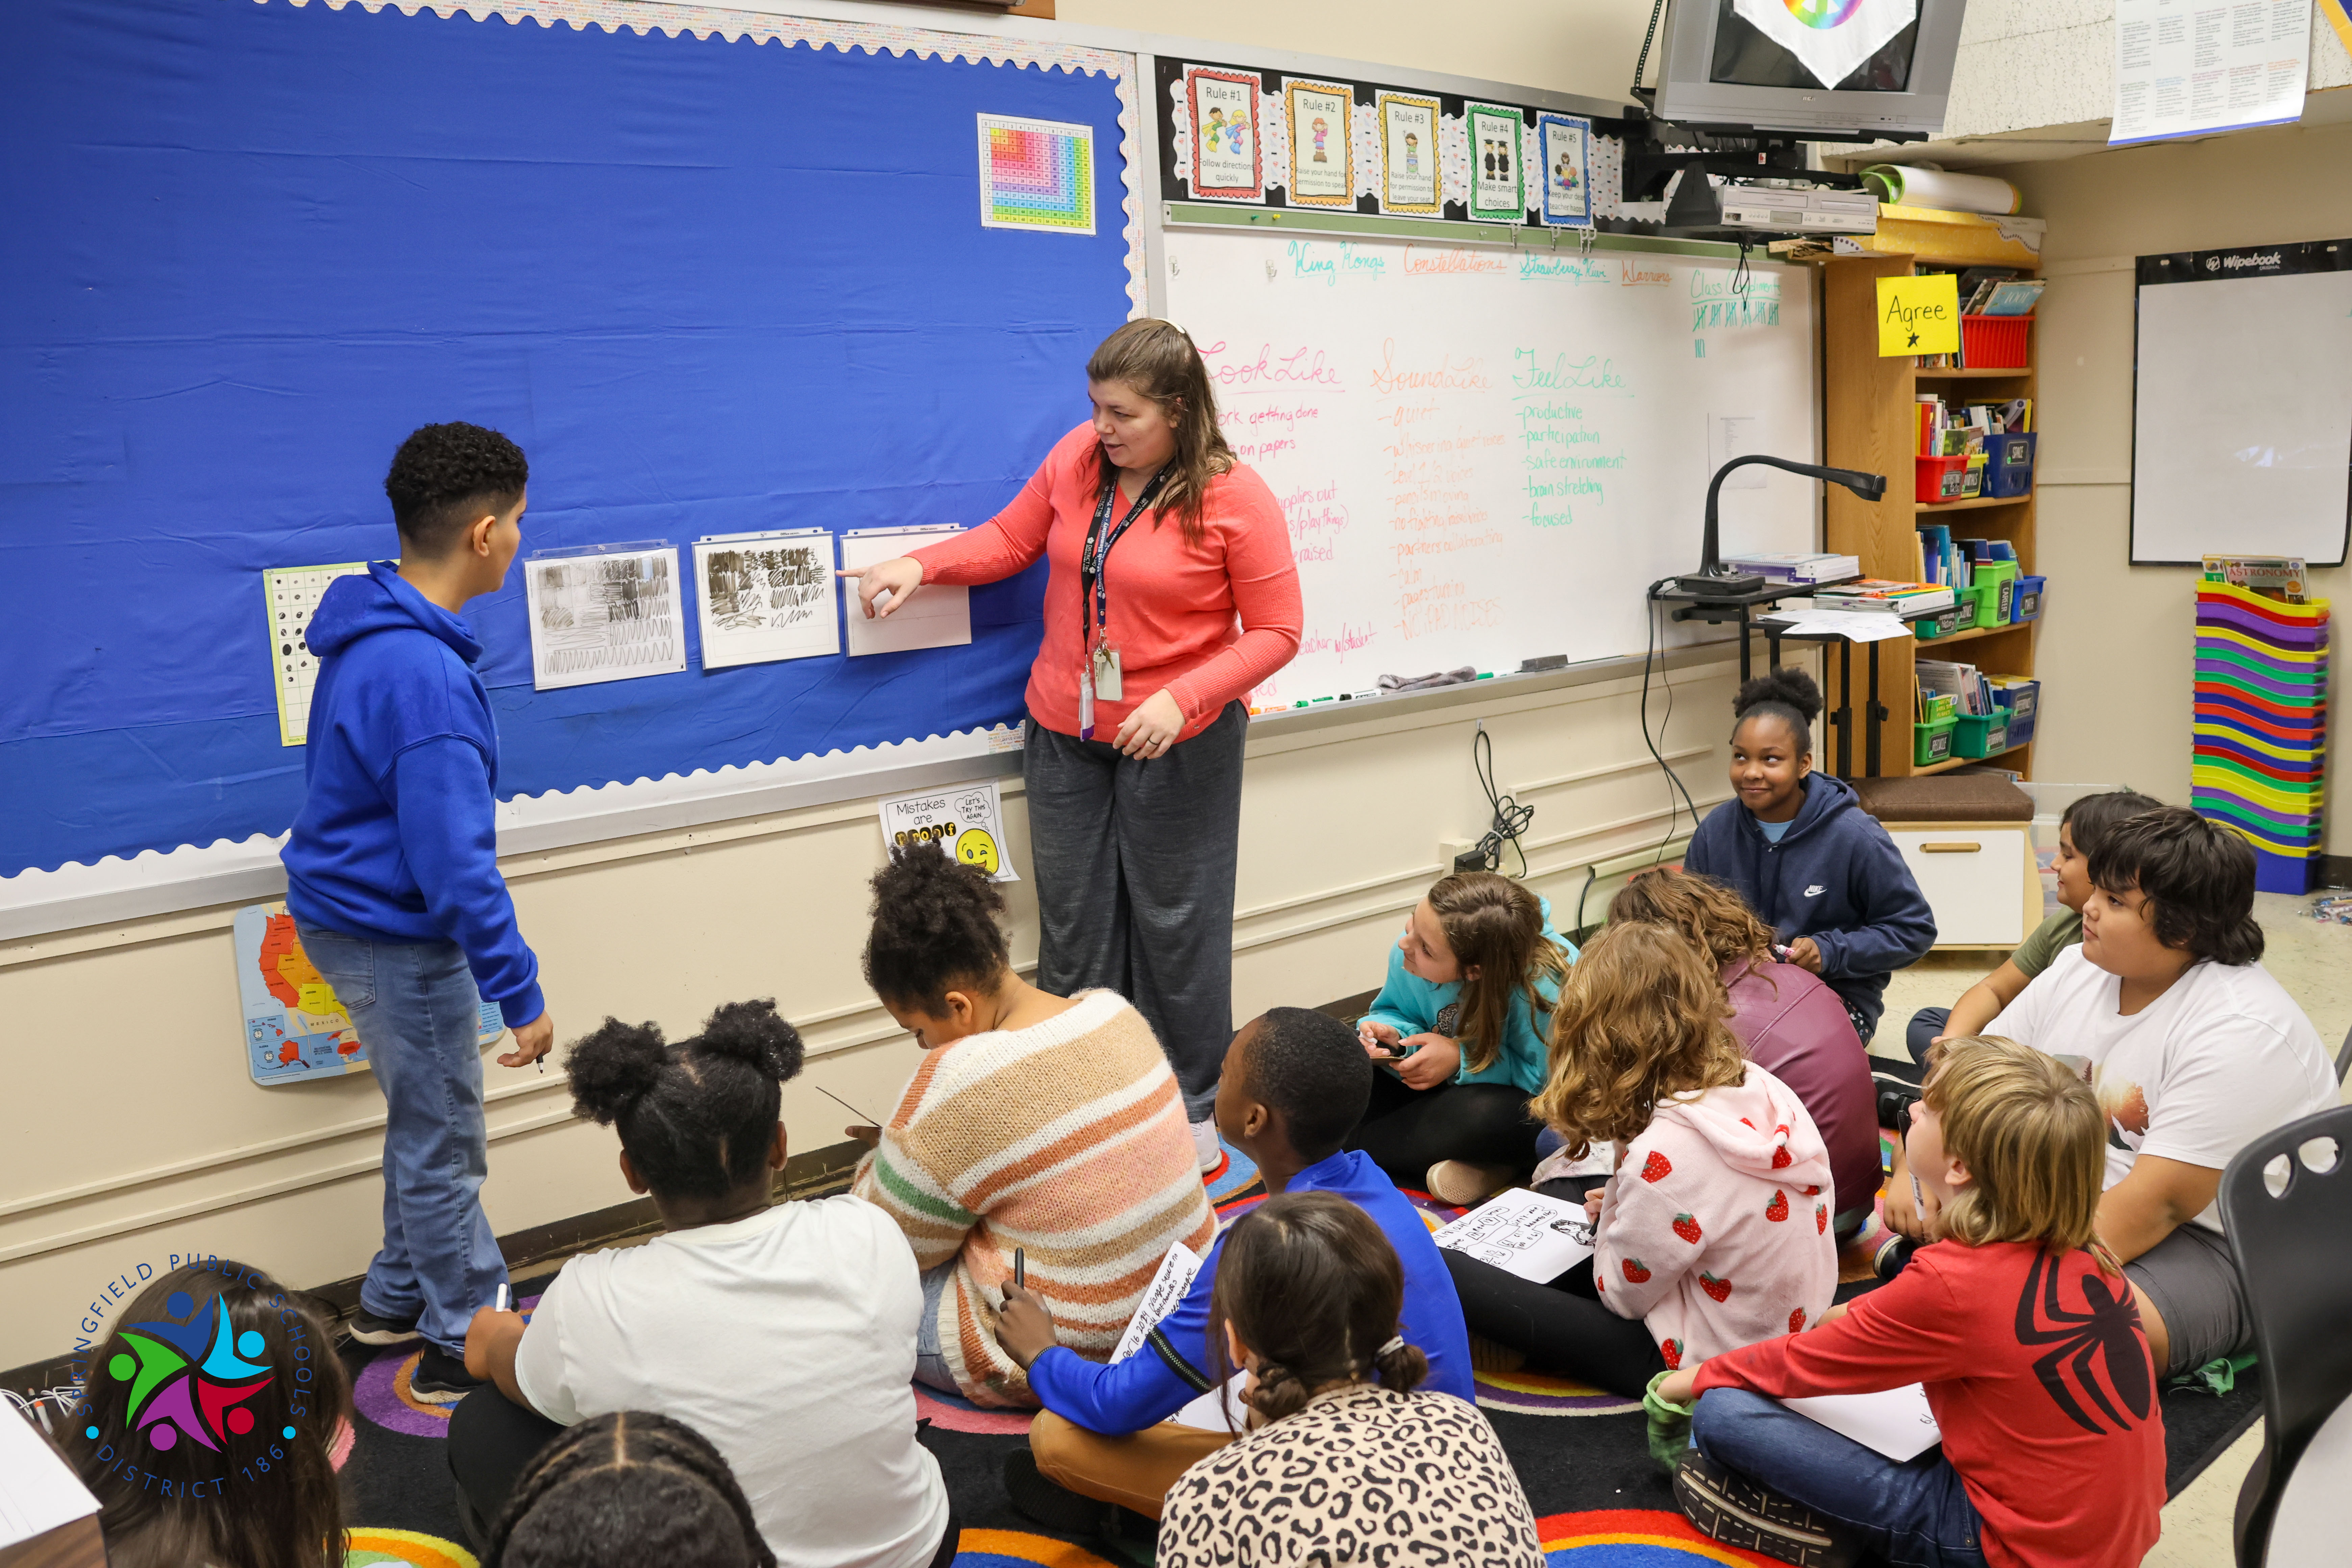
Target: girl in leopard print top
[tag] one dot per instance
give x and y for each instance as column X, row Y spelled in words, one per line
column 1343, row 1462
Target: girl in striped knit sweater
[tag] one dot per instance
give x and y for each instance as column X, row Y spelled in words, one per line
column 1048, row 1123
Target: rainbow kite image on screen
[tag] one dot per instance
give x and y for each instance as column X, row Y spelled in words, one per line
column 1036, row 173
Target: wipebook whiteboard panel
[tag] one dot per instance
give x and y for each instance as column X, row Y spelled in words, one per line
column 2242, row 412
column 1487, row 454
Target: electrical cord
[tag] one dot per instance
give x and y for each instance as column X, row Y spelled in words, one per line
column 1510, row 818
column 1642, row 65
column 1649, row 652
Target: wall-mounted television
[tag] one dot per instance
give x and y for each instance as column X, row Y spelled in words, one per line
column 1821, row 69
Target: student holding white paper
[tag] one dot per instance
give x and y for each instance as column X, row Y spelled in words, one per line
column 1172, row 593
column 2020, row 1323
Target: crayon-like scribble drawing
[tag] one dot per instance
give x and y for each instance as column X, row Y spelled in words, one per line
column 766, row 598
column 604, row 617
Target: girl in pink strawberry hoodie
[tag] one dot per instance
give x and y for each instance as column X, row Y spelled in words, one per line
column 1714, row 1232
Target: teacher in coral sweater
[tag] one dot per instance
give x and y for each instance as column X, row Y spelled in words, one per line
column 1172, row 593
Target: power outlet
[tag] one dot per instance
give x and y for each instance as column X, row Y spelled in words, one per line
column 1451, row 850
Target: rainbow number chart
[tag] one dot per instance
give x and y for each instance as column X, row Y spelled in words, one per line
column 1484, row 453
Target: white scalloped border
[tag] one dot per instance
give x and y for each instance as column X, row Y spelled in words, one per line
column 644, row 16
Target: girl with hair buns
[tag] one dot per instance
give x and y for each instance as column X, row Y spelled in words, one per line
column 1043, row 1122
column 1171, row 594
column 782, row 1333
column 627, row 1490
column 1306, row 1302
column 1812, row 863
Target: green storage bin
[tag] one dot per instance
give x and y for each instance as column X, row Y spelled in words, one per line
column 1981, row 734
column 1984, row 601
column 1942, row 624
column 1932, row 743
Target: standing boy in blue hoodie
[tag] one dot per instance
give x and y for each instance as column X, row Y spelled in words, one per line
column 392, row 874
column 1812, row 863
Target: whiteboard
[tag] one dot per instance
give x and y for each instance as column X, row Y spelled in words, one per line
column 1487, row 454
column 2241, row 419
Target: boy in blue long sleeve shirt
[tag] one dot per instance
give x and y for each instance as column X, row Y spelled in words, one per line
column 1295, row 1082
column 392, row 876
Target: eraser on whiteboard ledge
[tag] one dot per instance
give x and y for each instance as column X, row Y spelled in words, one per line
column 1545, row 661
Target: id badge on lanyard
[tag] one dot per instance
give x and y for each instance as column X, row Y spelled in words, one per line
column 1100, row 673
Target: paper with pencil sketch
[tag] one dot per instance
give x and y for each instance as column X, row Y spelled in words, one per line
column 1896, row 1422
column 1522, row 1233
column 1176, row 1274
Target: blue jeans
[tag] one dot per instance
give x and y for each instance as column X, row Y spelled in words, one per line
column 930, row 1362
column 418, row 1013
column 1914, row 1515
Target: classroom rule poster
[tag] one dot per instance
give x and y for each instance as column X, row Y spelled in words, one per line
column 1408, row 178
column 1224, row 110
column 1322, row 144
column 1496, row 192
column 1564, row 154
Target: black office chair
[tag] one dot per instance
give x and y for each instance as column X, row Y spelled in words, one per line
column 2294, row 1255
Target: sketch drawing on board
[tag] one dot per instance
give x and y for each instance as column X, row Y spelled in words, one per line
column 604, row 616
column 766, row 597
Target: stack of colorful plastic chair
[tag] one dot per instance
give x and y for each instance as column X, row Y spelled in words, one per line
column 2261, row 727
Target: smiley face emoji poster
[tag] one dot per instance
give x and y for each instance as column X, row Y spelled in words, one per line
column 966, row 821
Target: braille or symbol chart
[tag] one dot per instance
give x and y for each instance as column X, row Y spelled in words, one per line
column 292, row 593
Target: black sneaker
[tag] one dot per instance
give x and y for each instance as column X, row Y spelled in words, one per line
column 442, row 1378
column 370, row 1330
column 471, row 1524
column 1727, row 1507
column 1051, row 1504
column 1893, row 1255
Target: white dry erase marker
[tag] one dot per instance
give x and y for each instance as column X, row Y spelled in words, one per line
column 506, row 1297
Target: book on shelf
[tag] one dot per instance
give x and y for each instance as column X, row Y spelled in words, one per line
column 2017, row 298
column 2277, row 577
column 1964, row 683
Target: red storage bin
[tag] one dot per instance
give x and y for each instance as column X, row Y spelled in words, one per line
column 1995, row 343
column 1940, row 477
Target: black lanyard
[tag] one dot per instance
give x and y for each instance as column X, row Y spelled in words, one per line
column 1094, row 593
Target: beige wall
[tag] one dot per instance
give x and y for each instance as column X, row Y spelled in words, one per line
column 1567, row 46
column 131, row 1130
column 2115, row 654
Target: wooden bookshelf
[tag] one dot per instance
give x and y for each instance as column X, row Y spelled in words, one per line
column 1871, row 423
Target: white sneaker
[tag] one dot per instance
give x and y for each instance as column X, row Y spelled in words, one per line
column 1205, row 1143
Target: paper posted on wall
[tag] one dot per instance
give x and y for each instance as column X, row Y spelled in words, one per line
column 966, row 821
column 1896, row 1422
column 766, row 597
column 936, row 616
column 1522, row 1233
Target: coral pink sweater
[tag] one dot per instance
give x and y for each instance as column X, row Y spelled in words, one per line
column 1173, row 608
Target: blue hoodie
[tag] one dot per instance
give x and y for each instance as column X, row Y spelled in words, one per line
column 395, row 841
column 1836, row 875
column 1411, row 1005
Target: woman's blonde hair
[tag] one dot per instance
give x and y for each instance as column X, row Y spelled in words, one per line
column 1496, row 926
column 1712, row 918
column 1158, row 358
column 1640, row 1019
column 2033, row 1139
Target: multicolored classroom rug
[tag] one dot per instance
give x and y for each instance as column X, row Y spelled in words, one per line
column 1600, row 1499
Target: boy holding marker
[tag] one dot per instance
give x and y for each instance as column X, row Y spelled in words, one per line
column 393, row 879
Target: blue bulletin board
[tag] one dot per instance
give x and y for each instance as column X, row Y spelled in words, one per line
column 711, row 284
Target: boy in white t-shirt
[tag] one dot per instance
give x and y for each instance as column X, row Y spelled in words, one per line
column 784, row 1333
column 2194, row 1050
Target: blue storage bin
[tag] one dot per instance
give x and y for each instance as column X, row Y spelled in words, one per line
column 2025, row 605
column 2008, row 464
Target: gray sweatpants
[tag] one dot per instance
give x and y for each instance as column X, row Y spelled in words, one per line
column 1135, row 883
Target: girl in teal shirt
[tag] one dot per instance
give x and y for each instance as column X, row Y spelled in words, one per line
column 1461, row 1028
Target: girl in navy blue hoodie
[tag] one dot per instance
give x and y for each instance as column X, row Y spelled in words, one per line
column 1810, row 861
